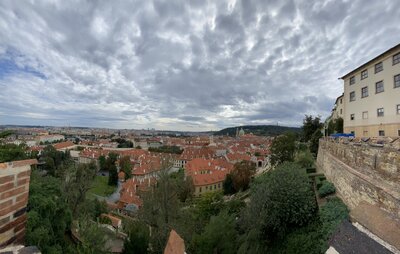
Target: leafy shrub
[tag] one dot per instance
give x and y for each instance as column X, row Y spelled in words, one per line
column 280, row 199
column 311, row 170
column 305, row 159
column 332, row 214
column 313, row 237
column 319, row 180
column 326, row 189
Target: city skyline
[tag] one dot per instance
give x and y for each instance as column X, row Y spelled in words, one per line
column 183, row 66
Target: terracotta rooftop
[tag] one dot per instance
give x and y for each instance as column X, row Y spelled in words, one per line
column 63, row 145
column 175, row 244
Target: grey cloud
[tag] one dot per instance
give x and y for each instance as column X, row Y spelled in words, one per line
column 184, row 64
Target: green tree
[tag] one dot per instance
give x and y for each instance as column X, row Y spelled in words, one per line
column 228, row 185
column 339, row 125
column 305, row 159
column 283, row 148
column 184, row 185
column 78, row 180
column 54, row 160
column 314, row 142
column 331, row 127
column 126, row 166
column 6, row 133
column 138, row 239
column 280, row 200
column 112, row 168
column 219, row 236
column 310, row 125
column 102, row 162
column 12, row 152
column 241, row 174
column 161, row 209
column 93, row 238
column 113, row 175
column 49, row 216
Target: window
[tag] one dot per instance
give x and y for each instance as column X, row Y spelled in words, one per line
column 352, row 96
column 352, row 80
column 398, row 133
column 352, row 117
column 381, row 133
column 365, row 115
column 379, row 87
column 397, row 81
column 378, row 67
column 364, row 74
column 200, row 189
column 398, row 109
column 365, row 133
column 380, row 111
column 341, row 99
column 364, row 92
column 352, row 132
column 396, row 59
column 341, row 111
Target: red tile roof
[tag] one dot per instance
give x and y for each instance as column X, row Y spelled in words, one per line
column 175, row 244
column 63, row 145
column 208, row 171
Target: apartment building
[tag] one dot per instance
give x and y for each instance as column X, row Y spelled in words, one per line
column 338, row 110
column 372, row 97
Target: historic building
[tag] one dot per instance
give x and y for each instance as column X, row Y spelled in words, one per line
column 372, row 97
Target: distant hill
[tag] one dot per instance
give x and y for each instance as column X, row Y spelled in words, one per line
column 260, row 130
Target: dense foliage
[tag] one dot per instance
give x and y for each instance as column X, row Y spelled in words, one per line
column 166, row 149
column 280, row 200
column 261, row 130
column 138, row 238
column 283, row 148
column 49, row 215
column 239, row 178
column 122, row 143
column 312, row 132
column 109, row 165
column 310, row 125
column 126, row 166
column 326, row 189
column 219, row 236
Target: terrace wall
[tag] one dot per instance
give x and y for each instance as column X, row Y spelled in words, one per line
column 14, row 192
column 363, row 171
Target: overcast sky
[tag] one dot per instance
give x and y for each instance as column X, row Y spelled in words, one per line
column 183, row 65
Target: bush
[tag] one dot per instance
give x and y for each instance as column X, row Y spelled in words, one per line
column 326, row 189
column 305, row 159
column 332, row 214
column 313, row 238
column 319, row 180
column 311, row 170
column 280, row 199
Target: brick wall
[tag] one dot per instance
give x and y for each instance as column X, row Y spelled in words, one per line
column 363, row 171
column 14, row 192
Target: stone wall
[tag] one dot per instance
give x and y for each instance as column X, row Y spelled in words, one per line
column 14, row 192
column 363, row 171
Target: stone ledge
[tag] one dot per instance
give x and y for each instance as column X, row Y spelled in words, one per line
column 378, row 222
column 378, row 184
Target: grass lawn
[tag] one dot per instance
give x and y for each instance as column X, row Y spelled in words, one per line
column 100, row 187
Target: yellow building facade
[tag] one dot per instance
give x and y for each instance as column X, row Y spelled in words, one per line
column 371, row 97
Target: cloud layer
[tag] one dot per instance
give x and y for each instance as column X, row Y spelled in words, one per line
column 183, row 65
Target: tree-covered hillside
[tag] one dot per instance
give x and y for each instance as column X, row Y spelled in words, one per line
column 261, row 130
